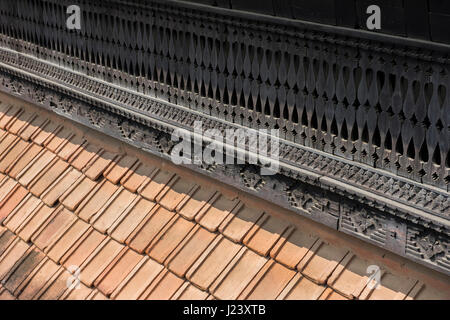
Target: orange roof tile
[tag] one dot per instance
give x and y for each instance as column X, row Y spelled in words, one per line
column 140, row 231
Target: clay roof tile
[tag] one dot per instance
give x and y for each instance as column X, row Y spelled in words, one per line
column 136, row 229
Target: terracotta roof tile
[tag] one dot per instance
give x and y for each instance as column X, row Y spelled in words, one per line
column 191, row 206
column 136, row 176
column 112, row 210
column 174, row 192
column 320, row 261
column 189, row 292
column 6, row 239
column 268, row 283
column 62, row 244
column 22, row 270
column 37, row 279
column 212, row 262
column 301, row 288
column 12, row 154
column 7, row 186
column 95, row 200
column 33, row 127
column 169, row 238
column 5, row 294
column 9, row 116
column 80, row 293
column 292, row 247
column 117, row 270
column 117, row 170
column 60, row 221
column 130, row 219
column 55, row 287
column 47, row 176
column 350, row 277
column 21, row 122
column 21, row 212
column 330, row 294
column 11, row 255
column 71, row 147
column 155, row 184
column 95, row 168
column 99, row 260
column 390, row 288
column 7, row 141
column 73, row 196
column 35, row 167
column 189, row 250
column 238, row 274
column 61, row 185
column 144, row 233
column 60, row 138
column 215, row 212
column 10, row 202
column 46, row 133
column 81, row 249
column 34, row 221
column 96, row 295
column 137, row 281
column 79, row 160
column 265, row 233
column 138, row 231
column 165, row 285
column 240, row 222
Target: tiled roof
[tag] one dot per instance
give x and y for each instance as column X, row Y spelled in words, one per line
column 140, row 231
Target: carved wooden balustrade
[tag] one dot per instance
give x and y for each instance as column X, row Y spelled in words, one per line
column 364, row 121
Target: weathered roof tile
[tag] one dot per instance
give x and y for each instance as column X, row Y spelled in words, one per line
column 240, row 222
column 238, row 274
column 189, row 207
column 169, row 238
column 37, row 279
column 155, row 184
column 117, row 270
column 136, row 176
column 212, row 262
column 117, row 170
column 138, row 231
column 148, row 229
column 131, row 218
column 94, row 200
column 320, row 261
column 78, row 192
column 61, row 185
column 188, row 251
column 268, row 283
column 95, row 168
column 301, row 288
column 133, row 286
column 215, row 212
column 292, row 247
column 112, row 209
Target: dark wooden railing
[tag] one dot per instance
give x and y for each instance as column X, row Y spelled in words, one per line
column 364, row 117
